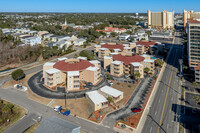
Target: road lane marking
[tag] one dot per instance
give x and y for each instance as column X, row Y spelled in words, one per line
column 155, row 112
column 167, row 126
column 150, row 129
column 165, row 100
column 172, row 71
column 159, row 101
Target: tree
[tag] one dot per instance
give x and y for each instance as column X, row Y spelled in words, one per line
column 159, row 62
column 87, row 53
column 110, row 99
column 113, row 34
column 146, row 70
column 195, row 84
column 18, row 74
column 137, row 75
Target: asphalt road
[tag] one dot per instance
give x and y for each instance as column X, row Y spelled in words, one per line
column 21, row 98
column 24, row 123
column 162, row 117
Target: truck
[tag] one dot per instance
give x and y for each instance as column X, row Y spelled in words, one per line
column 61, row 110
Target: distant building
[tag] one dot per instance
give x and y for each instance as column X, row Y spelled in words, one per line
column 124, row 37
column 108, row 30
column 64, row 26
column 79, row 42
column 161, row 20
column 190, row 14
column 31, row 40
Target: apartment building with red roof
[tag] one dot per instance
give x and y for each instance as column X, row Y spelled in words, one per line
column 70, row 73
column 144, row 46
column 108, row 49
column 108, row 30
column 123, row 64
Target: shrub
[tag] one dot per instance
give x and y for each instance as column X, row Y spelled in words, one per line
column 108, row 77
column 123, row 126
column 18, row 74
column 118, row 83
column 98, row 118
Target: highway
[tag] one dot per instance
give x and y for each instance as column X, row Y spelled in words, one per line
column 162, row 117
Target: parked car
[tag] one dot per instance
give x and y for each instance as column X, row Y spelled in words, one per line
column 89, row 83
column 136, row 110
column 127, row 76
column 110, row 82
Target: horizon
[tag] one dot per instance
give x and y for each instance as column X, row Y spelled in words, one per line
column 90, row 6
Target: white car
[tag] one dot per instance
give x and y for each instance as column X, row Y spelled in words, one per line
column 110, row 82
column 56, row 108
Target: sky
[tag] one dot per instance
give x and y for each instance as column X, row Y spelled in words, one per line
column 98, row 6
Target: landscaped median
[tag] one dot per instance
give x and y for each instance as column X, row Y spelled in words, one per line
column 9, row 114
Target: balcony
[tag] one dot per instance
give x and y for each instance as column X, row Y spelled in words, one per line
column 49, row 78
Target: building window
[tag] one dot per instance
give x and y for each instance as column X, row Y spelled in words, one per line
column 97, row 105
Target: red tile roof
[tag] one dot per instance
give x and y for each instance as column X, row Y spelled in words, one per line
column 198, row 67
column 128, row 59
column 146, row 44
column 192, row 20
column 64, row 66
column 111, row 29
column 111, row 47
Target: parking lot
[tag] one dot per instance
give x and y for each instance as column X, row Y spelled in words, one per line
column 190, row 101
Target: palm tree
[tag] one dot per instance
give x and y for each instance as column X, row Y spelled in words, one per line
column 137, row 75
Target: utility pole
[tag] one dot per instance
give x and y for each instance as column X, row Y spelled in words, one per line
column 65, row 96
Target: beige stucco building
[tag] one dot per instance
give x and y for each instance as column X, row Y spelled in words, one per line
column 98, row 98
column 161, row 20
column 115, row 94
column 71, row 72
column 97, row 101
column 120, row 64
column 110, row 49
column 190, row 14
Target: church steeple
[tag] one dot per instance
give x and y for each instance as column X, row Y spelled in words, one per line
column 65, row 22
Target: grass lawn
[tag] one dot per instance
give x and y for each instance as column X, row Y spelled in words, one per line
column 19, row 113
column 33, row 128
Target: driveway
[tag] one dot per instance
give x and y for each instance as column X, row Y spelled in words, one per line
column 36, row 85
column 24, row 123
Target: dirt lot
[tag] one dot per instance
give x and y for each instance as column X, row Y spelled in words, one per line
column 126, row 88
column 80, row 107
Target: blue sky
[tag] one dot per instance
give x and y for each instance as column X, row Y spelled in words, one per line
column 129, row 6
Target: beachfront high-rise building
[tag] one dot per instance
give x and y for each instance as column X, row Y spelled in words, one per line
column 190, row 14
column 193, row 46
column 161, row 20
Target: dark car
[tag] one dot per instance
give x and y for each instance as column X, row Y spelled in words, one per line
column 136, row 110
